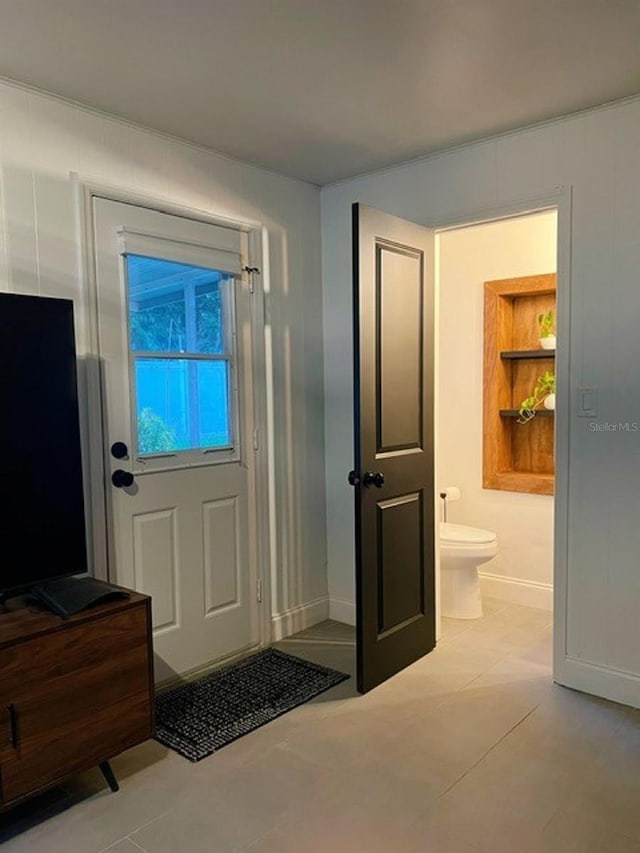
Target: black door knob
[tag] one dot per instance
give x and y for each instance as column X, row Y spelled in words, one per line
column 373, row 478
column 119, row 450
column 121, row 479
column 353, row 478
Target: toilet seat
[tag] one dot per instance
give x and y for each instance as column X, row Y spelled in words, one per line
column 460, row 534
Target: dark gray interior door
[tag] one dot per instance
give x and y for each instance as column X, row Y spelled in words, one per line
column 393, row 473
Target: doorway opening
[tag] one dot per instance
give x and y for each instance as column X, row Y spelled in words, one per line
column 495, row 428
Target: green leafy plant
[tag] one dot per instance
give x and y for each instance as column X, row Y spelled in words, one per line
column 546, row 321
column 545, row 385
column 154, row 436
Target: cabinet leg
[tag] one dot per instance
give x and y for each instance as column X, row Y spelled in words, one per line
column 109, row 776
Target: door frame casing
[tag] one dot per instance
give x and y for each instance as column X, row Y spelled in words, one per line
column 97, row 486
column 559, row 199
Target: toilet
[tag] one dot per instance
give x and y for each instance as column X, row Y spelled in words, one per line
column 462, row 550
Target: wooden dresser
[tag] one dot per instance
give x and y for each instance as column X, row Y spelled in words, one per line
column 73, row 693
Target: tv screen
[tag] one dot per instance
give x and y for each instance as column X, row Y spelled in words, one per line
column 42, row 521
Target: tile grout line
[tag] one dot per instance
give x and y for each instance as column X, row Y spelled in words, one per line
column 553, row 814
column 119, row 841
column 135, row 843
column 133, row 831
column 491, row 748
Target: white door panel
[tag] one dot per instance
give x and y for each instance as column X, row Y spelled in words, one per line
column 175, row 342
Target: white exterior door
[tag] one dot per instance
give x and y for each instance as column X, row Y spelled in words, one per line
column 174, row 329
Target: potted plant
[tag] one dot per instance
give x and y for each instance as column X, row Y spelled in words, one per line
column 544, row 394
column 546, row 321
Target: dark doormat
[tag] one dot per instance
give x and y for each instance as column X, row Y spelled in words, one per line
column 199, row 717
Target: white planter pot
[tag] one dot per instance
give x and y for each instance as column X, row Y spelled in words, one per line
column 550, row 402
column 549, row 342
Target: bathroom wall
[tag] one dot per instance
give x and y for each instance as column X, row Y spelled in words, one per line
column 523, row 569
column 42, row 140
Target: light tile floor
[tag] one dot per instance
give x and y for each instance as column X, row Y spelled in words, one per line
column 473, row 748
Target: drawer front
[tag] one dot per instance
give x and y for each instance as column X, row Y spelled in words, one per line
column 32, row 667
column 8, row 732
column 76, row 745
column 50, row 708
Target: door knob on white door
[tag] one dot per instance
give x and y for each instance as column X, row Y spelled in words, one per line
column 122, row 479
column 119, row 450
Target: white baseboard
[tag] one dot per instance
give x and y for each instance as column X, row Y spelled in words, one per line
column 517, row 591
column 298, row 618
column 342, row 611
column 613, row 684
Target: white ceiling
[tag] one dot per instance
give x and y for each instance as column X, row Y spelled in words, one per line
column 325, row 89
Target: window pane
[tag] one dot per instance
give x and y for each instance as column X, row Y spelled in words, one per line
column 182, row 404
column 174, row 307
column 156, row 304
column 210, row 318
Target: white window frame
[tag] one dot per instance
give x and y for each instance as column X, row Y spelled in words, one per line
column 201, row 257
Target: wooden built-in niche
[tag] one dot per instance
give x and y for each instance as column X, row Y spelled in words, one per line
column 517, row 457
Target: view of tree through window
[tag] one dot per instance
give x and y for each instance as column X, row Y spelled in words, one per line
column 176, row 311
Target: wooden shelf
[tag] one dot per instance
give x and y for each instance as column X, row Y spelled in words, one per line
column 525, row 481
column 528, row 353
column 515, row 413
column 516, row 457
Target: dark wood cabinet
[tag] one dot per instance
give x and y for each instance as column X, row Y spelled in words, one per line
column 73, row 693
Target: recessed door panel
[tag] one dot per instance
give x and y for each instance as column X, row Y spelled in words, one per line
column 156, row 564
column 221, row 555
column 399, row 362
column 400, row 558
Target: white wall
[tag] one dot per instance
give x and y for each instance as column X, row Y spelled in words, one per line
column 523, row 569
column 43, row 139
column 597, row 155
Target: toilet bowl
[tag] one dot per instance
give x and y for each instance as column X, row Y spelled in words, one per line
column 462, row 550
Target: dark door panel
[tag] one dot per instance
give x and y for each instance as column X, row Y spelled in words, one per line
column 400, row 348
column 393, row 355
column 400, row 562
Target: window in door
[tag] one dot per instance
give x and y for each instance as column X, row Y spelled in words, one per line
column 181, row 358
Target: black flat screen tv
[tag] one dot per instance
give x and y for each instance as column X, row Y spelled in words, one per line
column 42, row 514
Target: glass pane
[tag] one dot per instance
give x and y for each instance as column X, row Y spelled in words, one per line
column 210, row 318
column 174, row 307
column 182, row 404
